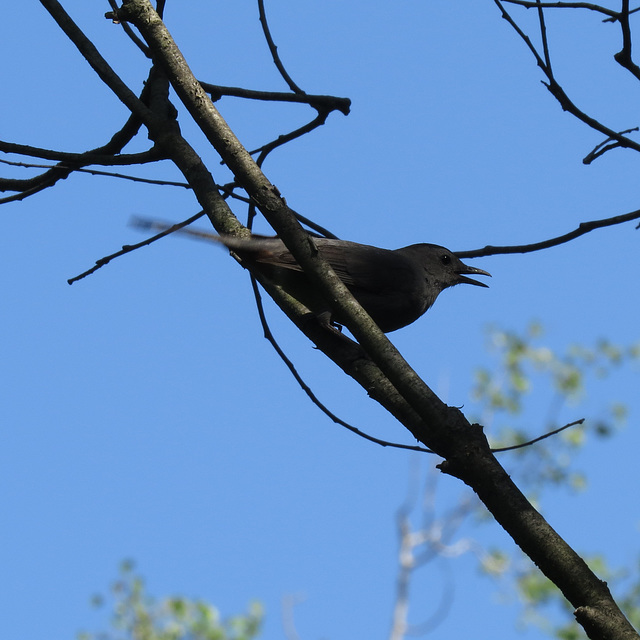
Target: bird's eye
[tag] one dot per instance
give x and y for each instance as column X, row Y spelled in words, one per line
column 445, row 258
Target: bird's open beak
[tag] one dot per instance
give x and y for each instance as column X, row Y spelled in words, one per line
column 475, row 270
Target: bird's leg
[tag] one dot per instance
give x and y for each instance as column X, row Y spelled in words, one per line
column 324, row 318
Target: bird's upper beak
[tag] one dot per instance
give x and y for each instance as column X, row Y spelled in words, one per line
column 475, row 270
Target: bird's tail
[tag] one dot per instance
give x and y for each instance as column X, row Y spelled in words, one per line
column 252, row 244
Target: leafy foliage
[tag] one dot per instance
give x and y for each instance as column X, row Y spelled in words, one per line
column 524, row 365
column 138, row 616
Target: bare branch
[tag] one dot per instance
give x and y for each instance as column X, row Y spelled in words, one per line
column 614, row 19
column 274, row 50
column 623, row 57
column 528, row 443
column 108, row 154
column 318, row 102
column 4, row 182
column 603, row 147
column 49, row 178
column 583, row 228
column 543, row 35
column 530, row 4
column 418, row 547
column 84, row 158
column 128, row 248
column 308, row 391
column 129, row 31
column 264, row 150
column 97, row 62
column 558, row 92
column 42, row 182
column 377, row 364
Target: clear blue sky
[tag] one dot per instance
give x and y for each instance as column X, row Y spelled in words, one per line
column 142, row 414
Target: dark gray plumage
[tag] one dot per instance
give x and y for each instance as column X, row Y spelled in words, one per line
column 395, row 287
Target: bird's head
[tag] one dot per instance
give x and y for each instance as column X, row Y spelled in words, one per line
column 442, row 267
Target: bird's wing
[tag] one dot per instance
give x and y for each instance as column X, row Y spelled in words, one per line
column 359, row 266
column 368, row 268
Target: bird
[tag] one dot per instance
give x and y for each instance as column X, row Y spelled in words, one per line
column 394, row 286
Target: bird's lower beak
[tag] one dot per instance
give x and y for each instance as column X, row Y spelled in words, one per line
column 474, row 270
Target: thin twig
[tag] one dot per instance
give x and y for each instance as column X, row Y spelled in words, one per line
column 127, row 29
column 97, row 62
column 318, row 121
column 182, row 227
column 623, row 57
column 542, row 437
column 318, row 229
column 558, row 92
column 530, row 4
column 201, row 234
column 274, row 50
column 617, row 16
column 96, row 172
column 601, row 148
column 543, row 36
column 88, row 157
column 331, row 103
column 269, row 336
column 583, row 228
column 128, row 248
column 45, row 182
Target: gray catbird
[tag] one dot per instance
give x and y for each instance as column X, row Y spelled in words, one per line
column 394, row 287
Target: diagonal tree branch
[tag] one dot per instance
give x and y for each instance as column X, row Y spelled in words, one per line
column 442, row 428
